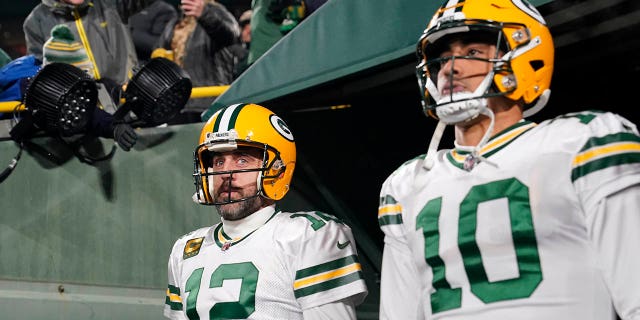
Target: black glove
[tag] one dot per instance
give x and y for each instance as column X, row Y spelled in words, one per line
column 125, row 136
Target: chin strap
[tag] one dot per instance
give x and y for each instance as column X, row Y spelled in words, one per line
column 475, row 157
column 433, row 145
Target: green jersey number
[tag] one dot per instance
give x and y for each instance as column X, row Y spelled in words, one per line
column 240, row 309
column 315, row 222
column 524, row 240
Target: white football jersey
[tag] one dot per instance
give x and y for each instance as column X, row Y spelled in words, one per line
column 526, row 233
column 293, row 262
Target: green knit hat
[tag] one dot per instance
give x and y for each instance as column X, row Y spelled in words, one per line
column 63, row 47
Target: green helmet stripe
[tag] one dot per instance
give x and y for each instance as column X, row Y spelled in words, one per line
column 227, row 118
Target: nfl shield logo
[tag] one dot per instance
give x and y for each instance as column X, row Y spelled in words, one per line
column 469, row 162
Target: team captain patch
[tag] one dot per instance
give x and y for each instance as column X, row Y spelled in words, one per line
column 192, row 248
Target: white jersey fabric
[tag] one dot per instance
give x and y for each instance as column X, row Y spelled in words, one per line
column 547, row 227
column 291, row 265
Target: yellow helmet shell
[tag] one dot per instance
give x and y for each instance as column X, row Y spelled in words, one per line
column 530, row 49
column 249, row 125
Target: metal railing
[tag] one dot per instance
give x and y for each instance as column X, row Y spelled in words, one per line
column 197, row 92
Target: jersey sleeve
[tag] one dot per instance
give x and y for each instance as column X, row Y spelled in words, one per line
column 608, row 158
column 606, row 176
column 325, row 261
column 399, row 289
column 343, row 309
column 173, row 307
column 613, row 228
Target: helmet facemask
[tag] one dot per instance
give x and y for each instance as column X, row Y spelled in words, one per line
column 246, row 126
column 204, row 174
column 457, row 107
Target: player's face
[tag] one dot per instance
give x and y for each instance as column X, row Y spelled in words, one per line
column 464, row 75
column 245, row 35
column 237, row 185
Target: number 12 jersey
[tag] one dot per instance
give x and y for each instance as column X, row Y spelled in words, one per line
column 293, row 262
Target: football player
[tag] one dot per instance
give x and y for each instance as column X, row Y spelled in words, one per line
column 259, row 262
column 519, row 220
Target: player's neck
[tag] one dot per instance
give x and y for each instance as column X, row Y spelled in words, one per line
column 471, row 133
column 240, row 228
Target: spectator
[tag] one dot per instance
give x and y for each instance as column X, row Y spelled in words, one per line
column 197, row 42
column 245, row 28
column 272, row 19
column 147, row 25
column 240, row 50
column 106, row 36
column 264, row 31
column 62, row 47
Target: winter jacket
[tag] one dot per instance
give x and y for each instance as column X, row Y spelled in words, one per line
column 207, row 61
column 104, row 22
column 147, row 27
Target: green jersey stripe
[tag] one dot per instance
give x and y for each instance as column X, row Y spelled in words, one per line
column 173, row 305
column 612, row 138
column 328, row 285
column 453, row 161
column 494, row 145
column 603, row 163
column 387, row 200
column 327, row 266
column 390, row 219
column 531, row 125
column 174, row 290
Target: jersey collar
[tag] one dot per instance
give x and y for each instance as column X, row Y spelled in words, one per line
column 458, row 156
column 229, row 233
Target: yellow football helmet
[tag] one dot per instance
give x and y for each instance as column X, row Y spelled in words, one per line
column 523, row 71
column 246, row 125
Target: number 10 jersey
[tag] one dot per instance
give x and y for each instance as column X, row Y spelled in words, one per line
column 528, row 232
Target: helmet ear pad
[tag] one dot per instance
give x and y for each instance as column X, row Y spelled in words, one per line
column 275, row 185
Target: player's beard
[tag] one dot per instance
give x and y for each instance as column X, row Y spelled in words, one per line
column 241, row 209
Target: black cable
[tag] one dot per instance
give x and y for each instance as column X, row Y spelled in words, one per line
column 12, row 164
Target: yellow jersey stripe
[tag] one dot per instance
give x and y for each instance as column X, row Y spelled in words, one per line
column 174, row 297
column 354, row 267
column 396, row 208
column 587, row 156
